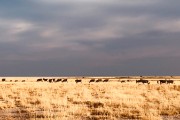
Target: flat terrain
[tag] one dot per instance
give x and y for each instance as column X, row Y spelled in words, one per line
column 110, row 100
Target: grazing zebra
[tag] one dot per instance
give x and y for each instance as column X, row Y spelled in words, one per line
column 58, row 80
column 50, row 80
column 77, row 81
column 39, row 80
column 64, row 80
column 92, row 80
column 122, row 81
column 170, row 81
column 3, row 80
column 106, row 80
column 142, row 81
column 128, row 80
column 44, row 79
column 161, row 81
column 99, row 80
column 53, row 80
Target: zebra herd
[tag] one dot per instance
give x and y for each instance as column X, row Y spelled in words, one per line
column 165, row 81
column 53, row 80
column 159, row 81
column 98, row 80
column 4, row 80
column 66, row 80
column 106, row 80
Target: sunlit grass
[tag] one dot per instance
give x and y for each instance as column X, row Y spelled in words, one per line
column 95, row 101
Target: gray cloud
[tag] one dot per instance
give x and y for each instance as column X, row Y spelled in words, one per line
column 114, row 37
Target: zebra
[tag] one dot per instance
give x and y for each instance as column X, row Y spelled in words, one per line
column 161, row 81
column 64, row 80
column 142, row 81
column 92, row 80
column 170, row 81
column 58, row 80
column 39, row 80
column 99, row 80
column 3, row 80
column 106, row 80
column 77, row 81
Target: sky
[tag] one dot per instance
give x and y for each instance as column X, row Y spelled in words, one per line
column 89, row 37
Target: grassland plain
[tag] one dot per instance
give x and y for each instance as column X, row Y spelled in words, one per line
column 84, row 101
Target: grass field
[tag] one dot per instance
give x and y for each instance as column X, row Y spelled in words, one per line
column 83, row 101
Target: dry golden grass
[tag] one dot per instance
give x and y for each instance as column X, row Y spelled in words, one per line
column 83, row 101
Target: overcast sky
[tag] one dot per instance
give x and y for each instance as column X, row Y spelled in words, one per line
column 89, row 37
